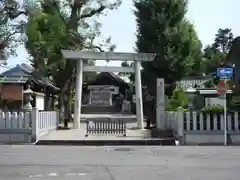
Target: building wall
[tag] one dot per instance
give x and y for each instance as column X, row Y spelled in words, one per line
column 11, row 91
column 213, row 101
column 40, row 101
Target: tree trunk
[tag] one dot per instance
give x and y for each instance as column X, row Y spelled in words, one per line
column 69, row 109
column 46, row 99
column 64, row 101
column 65, row 111
column 62, row 107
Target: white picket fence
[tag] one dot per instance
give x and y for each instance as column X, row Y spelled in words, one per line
column 46, row 121
column 204, row 128
column 26, row 127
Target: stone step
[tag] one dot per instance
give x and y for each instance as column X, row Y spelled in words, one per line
column 127, row 117
column 99, row 109
column 128, row 120
column 122, row 142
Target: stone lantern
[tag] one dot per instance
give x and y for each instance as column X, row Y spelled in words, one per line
column 27, row 95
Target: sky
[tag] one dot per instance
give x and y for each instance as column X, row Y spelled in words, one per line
column 207, row 16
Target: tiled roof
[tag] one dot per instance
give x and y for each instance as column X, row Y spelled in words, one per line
column 16, row 71
column 17, row 79
column 22, row 73
column 111, row 76
column 114, row 76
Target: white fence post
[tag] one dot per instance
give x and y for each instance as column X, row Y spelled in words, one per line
column 35, row 125
column 2, row 120
column 236, row 123
column 194, row 121
column 203, row 128
column 229, row 122
column 180, row 127
column 8, row 120
column 215, row 128
column 58, row 117
column 160, row 105
column 201, row 121
column 188, row 120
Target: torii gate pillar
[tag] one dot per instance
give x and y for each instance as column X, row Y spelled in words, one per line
column 139, row 99
column 78, row 95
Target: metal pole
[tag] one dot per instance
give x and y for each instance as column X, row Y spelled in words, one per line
column 225, row 118
column 45, row 95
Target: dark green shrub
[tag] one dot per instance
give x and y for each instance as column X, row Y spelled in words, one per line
column 178, row 99
column 213, row 109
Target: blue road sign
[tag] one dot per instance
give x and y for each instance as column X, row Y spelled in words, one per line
column 225, row 72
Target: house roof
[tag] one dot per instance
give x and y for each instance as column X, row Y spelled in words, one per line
column 113, row 76
column 16, row 71
column 109, row 75
column 22, row 73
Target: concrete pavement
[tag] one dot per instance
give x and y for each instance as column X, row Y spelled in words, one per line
column 134, row 136
column 119, row 163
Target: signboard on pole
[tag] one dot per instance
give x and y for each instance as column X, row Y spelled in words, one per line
column 224, row 74
column 222, row 87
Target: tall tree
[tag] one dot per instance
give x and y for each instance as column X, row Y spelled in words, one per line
column 10, row 26
column 215, row 53
column 212, row 59
column 162, row 29
column 223, row 40
column 56, row 25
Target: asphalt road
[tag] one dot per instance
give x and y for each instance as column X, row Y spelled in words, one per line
column 119, row 163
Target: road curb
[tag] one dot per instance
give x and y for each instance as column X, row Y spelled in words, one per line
column 150, row 142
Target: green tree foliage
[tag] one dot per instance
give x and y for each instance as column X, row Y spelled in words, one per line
column 50, row 28
column 223, row 40
column 10, row 29
column 212, row 59
column 235, row 103
column 215, row 54
column 67, row 25
column 163, row 29
column 178, row 99
column 55, row 25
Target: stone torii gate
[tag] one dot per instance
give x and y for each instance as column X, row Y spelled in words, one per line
column 113, row 56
